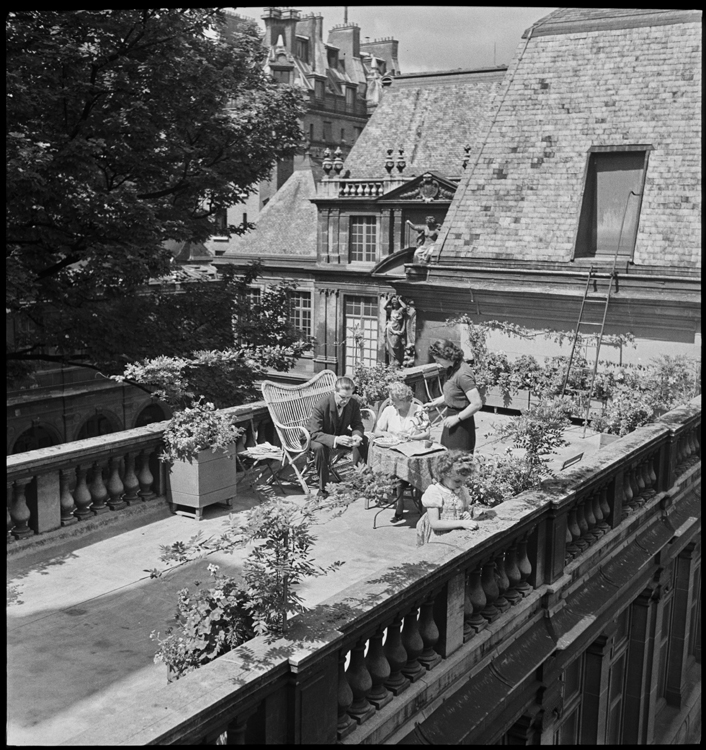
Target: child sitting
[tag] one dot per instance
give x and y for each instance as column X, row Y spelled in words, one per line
column 446, row 500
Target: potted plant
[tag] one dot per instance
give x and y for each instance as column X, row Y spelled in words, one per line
column 199, row 445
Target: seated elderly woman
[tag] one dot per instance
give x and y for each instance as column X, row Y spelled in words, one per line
column 405, row 419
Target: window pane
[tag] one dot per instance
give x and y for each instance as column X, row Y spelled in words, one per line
column 616, row 678
column 567, row 732
column 300, row 313
column 572, row 677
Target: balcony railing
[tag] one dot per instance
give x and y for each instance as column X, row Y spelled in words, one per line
column 446, row 614
column 65, row 484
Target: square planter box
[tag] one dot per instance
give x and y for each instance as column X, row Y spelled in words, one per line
column 209, row 479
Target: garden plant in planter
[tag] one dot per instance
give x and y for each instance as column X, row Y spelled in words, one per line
column 200, row 448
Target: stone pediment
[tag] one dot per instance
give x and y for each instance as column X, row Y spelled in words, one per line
column 429, row 187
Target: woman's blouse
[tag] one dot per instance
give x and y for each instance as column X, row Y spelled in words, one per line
column 451, row 503
column 457, row 385
column 391, row 421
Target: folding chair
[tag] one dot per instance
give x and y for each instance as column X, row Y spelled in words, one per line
column 290, row 407
column 434, row 389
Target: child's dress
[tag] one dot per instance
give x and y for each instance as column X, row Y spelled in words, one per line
column 451, row 505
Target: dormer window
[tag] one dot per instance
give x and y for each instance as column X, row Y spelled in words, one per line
column 350, row 97
column 319, row 89
column 611, row 202
column 363, row 239
column 303, row 48
column 332, row 57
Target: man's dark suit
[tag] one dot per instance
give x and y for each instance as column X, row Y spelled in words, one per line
column 325, row 425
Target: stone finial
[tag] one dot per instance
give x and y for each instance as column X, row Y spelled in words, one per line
column 327, row 163
column 466, row 156
column 401, row 163
column 389, row 162
column 338, row 161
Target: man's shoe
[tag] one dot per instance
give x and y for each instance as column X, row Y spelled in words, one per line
column 397, row 518
column 322, row 494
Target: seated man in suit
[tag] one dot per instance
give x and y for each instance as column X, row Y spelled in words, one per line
column 336, row 422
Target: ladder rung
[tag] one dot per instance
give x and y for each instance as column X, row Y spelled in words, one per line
column 596, row 299
column 584, row 323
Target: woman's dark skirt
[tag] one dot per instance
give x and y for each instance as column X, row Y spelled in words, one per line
column 462, row 437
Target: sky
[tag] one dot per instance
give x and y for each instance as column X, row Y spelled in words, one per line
column 433, row 37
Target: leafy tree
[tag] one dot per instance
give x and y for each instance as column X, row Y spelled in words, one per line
column 125, row 129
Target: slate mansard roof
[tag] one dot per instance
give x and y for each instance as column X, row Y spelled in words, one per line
column 583, row 78
column 432, row 116
column 286, row 225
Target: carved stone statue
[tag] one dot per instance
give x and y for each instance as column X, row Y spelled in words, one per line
column 426, row 239
column 396, row 329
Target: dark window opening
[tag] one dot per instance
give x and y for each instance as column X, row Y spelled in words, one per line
column 32, row 439
column 94, row 427
column 611, row 204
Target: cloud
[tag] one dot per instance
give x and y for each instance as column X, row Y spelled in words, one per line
column 435, row 37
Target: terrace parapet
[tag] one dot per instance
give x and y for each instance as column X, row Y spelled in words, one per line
column 502, row 607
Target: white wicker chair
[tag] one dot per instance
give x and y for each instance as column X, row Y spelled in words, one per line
column 290, row 407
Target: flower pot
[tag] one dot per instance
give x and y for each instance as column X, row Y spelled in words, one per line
column 208, row 479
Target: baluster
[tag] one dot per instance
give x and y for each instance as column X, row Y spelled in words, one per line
column 66, row 499
column 590, row 518
column 649, row 490
column 634, row 487
column 115, row 485
column 145, row 477
column 513, row 575
column 379, row 669
column 681, row 450
column 345, row 697
column 412, row 641
column 503, row 583
column 476, row 596
column 430, row 635
column 640, row 479
column 82, row 495
column 605, row 507
column 490, row 588
column 98, row 490
column 130, row 481
column 582, row 541
column 19, row 510
column 627, row 494
column 599, row 529
column 396, row 658
column 651, row 468
column 573, row 549
column 525, row 566
column 360, row 683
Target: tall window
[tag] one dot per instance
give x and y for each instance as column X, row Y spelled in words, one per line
column 300, row 313
column 361, row 332
column 319, row 89
column 567, row 733
column 328, row 131
column 350, row 98
column 281, row 76
column 616, row 680
column 220, row 218
column 363, row 239
column 611, row 204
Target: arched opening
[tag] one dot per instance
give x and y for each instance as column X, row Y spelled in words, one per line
column 150, row 414
column 33, row 438
column 95, row 426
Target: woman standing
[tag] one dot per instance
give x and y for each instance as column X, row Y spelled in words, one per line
column 460, row 396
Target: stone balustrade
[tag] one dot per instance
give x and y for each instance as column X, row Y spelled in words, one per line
column 62, row 485
column 362, row 665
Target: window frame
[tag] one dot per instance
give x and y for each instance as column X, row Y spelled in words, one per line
column 583, row 249
column 370, row 351
column 354, row 218
column 297, row 313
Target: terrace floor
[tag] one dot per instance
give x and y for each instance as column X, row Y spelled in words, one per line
column 80, row 613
